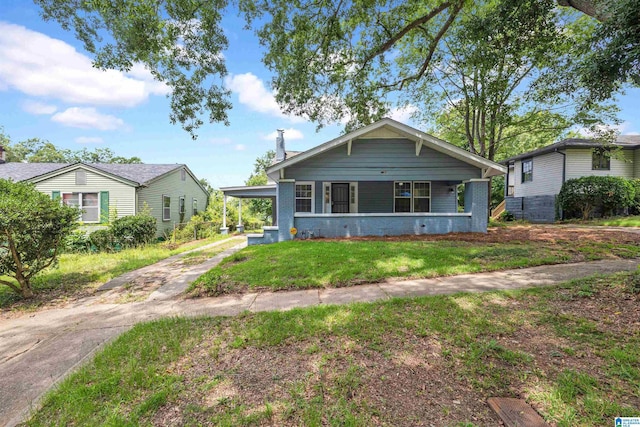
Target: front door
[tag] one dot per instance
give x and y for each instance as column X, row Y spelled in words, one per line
column 340, row 198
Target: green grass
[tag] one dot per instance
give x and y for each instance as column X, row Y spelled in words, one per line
column 77, row 272
column 620, row 221
column 541, row 344
column 317, row 264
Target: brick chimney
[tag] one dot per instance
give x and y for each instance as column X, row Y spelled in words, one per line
column 3, row 155
column 280, row 152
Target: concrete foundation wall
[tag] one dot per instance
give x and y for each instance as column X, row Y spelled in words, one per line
column 535, row 209
column 380, row 225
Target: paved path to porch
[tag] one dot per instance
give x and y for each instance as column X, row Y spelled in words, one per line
column 39, row 349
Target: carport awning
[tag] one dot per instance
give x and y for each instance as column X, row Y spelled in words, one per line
column 250, row 192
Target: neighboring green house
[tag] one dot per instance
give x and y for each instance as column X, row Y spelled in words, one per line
column 172, row 192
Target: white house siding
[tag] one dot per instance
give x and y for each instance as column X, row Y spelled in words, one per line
column 121, row 196
column 547, row 176
column 171, row 185
column 579, row 164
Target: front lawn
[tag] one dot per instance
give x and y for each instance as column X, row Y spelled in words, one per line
column 307, row 264
column 572, row 351
column 616, row 221
column 78, row 275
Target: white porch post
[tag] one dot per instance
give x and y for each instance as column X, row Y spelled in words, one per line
column 240, row 225
column 224, row 229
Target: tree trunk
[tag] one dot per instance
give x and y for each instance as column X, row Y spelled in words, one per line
column 588, row 7
column 25, row 289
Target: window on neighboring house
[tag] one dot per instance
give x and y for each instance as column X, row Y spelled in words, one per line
column 181, row 205
column 88, row 202
column 412, row 196
column 527, row 170
column 81, row 177
column 304, row 197
column 166, row 208
column 183, row 175
column 601, row 159
column 195, row 206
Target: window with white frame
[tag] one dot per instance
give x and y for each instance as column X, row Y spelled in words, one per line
column 88, row 202
column 181, row 207
column 402, row 196
column 195, row 206
column 166, row 208
column 527, row 170
column 421, row 196
column 412, row 196
column 304, row 197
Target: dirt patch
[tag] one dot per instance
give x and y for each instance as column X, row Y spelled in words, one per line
column 525, row 233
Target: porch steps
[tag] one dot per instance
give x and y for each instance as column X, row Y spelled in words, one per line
column 495, row 213
column 269, row 235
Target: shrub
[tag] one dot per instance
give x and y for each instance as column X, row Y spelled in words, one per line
column 507, row 216
column 586, row 194
column 102, row 240
column 77, row 242
column 195, row 228
column 634, row 209
column 134, row 230
column 33, row 228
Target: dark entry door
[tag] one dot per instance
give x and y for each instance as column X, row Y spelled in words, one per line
column 340, row 198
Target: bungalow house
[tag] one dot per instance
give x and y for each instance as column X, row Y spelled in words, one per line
column 383, row 179
column 102, row 190
column 534, row 179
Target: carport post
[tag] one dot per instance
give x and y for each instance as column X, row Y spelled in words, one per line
column 240, row 226
column 224, row 229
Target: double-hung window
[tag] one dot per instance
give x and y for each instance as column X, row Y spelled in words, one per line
column 527, row 170
column 166, row 208
column 88, row 202
column 195, row 206
column 304, row 197
column 601, row 159
column 412, row 196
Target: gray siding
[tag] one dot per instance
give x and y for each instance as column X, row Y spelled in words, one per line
column 371, row 197
column 579, row 163
column 382, row 160
column 121, row 196
column 171, row 185
column 547, row 176
column 442, row 198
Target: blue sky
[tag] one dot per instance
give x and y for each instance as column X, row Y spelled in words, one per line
column 49, row 90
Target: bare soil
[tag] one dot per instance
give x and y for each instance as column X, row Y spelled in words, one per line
column 414, row 380
column 524, row 233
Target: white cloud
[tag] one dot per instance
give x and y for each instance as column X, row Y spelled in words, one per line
column 87, row 118
column 240, row 147
column 624, row 128
column 89, row 140
column 403, row 114
column 253, row 93
column 289, row 135
column 35, row 107
column 38, row 65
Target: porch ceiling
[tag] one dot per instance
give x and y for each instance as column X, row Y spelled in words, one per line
column 250, row 192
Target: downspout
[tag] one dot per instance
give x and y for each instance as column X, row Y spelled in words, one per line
column 564, row 175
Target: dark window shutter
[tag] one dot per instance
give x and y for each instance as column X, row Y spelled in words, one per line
column 55, row 195
column 104, row 206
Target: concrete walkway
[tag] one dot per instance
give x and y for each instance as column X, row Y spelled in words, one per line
column 39, row 349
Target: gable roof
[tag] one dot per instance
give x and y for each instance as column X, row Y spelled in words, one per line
column 135, row 174
column 623, row 141
column 490, row 168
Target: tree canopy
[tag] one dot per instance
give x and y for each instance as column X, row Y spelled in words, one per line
column 36, row 150
column 340, row 60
